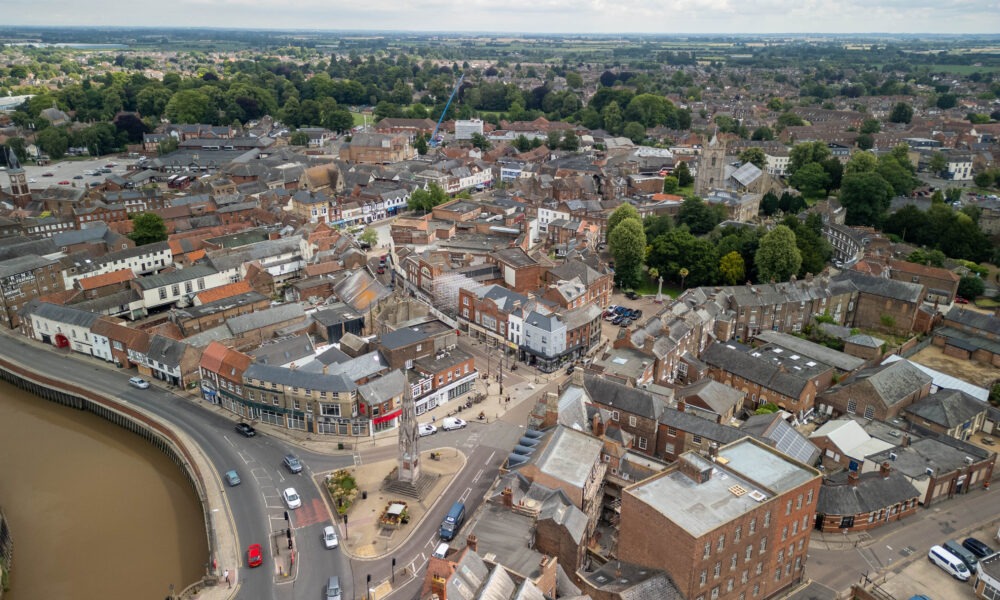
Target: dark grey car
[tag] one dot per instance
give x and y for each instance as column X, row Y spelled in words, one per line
column 292, row 463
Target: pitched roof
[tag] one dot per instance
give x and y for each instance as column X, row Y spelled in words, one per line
column 297, row 378
column 873, row 492
column 622, row 398
column 948, row 408
column 112, row 278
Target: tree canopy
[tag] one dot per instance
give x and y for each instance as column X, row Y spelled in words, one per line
column 778, row 257
column 148, row 228
column 627, row 243
column 426, row 199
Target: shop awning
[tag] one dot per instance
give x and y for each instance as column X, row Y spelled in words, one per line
column 387, row 417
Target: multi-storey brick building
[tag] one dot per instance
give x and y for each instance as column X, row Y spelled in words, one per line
column 880, row 392
column 735, row 525
column 24, row 279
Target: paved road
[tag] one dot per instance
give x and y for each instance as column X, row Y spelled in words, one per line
column 896, row 544
column 256, row 504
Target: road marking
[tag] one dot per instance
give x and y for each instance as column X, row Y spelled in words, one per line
column 357, row 459
column 430, row 540
column 492, row 454
column 478, row 475
column 465, row 495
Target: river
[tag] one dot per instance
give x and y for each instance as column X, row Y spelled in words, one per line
column 95, row 511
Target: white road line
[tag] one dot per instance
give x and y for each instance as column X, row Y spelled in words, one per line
column 492, row 454
column 465, row 494
column 430, row 540
column 478, row 475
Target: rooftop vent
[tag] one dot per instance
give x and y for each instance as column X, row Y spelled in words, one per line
column 738, row 490
column 758, row 496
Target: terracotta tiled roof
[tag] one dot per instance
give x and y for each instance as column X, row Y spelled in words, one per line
column 212, row 356
column 195, row 256
column 225, row 291
column 112, row 278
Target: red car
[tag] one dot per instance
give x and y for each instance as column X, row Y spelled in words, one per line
column 380, row 270
column 254, row 556
column 64, row 182
column 960, row 300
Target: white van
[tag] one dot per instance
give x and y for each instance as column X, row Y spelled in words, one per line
column 949, row 562
column 441, row 551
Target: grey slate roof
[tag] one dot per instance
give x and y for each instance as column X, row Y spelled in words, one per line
column 892, row 382
column 974, row 320
column 270, row 316
column 710, row 430
column 616, row 396
column 403, row 337
column 383, row 388
column 299, row 378
column 887, row 288
column 873, row 492
column 150, row 282
column 23, row 264
column 284, row 351
column 60, row 314
column 166, row 350
column 757, row 370
column 627, row 581
column 947, row 408
column 544, row 322
column 840, row 360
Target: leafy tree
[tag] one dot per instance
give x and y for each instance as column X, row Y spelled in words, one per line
column 762, row 133
column 811, row 179
column 683, row 257
column 574, row 80
column 190, row 106
column 53, row 141
column 805, row 153
column 612, row 117
column 627, row 243
column 790, row 203
column 901, row 113
column 148, row 228
column 554, row 139
column 732, row 268
column 339, row 120
column 865, row 141
column 670, row 185
column 699, row 216
column 634, row 131
column 369, row 236
column 815, row 250
column 971, row 287
column 861, row 162
column 866, row 196
column 789, row 119
column 299, row 138
column 167, row 146
column 778, row 257
column 657, row 225
column 132, row 126
column 946, row 101
column 683, row 174
column 937, row 163
column 479, row 141
column 425, row 200
column 898, row 172
column 754, row 155
column 625, row 211
column 870, row 126
column 769, row 204
column 570, row 141
column 420, row 144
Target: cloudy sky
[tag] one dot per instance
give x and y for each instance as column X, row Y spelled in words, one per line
column 527, row 16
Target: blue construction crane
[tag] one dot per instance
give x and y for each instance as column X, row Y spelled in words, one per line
column 458, row 84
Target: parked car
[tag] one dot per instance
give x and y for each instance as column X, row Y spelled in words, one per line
column 245, row 429
column 450, row 423
column 977, row 547
column 292, row 463
column 637, row 314
column 618, row 320
column 380, row 270
column 138, row 382
column 64, row 182
column 255, row 557
column 292, row 498
column 960, row 300
column 632, row 295
column 621, row 310
column 78, row 177
column 232, row 478
column 330, row 537
column 425, row 429
column 625, row 322
column 48, row 174
column 610, row 317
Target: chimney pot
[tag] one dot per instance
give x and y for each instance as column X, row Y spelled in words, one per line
column 472, row 542
column 852, row 478
column 885, row 469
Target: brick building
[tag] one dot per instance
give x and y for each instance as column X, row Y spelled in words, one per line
column 880, row 392
column 853, row 502
column 24, row 279
column 735, row 525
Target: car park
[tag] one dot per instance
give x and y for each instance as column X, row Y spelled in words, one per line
column 255, row 557
column 451, row 423
column 292, row 498
column 949, row 563
column 977, row 547
column 232, row 478
column 245, row 429
column 292, row 463
column 963, row 555
column 138, row 382
column 425, row 429
column 330, row 537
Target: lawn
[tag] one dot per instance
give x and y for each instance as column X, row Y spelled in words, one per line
column 648, row 287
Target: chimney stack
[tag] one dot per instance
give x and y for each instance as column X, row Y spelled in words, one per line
column 852, row 478
column 713, row 451
column 680, row 405
column 905, row 441
column 597, row 426
column 508, row 497
column 472, row 543
column 885, row 469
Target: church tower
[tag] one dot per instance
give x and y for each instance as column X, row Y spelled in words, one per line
column 18, row 180
column 711, row 167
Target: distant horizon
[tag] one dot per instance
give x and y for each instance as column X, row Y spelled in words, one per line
column 530, row 17
column 500, row 33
